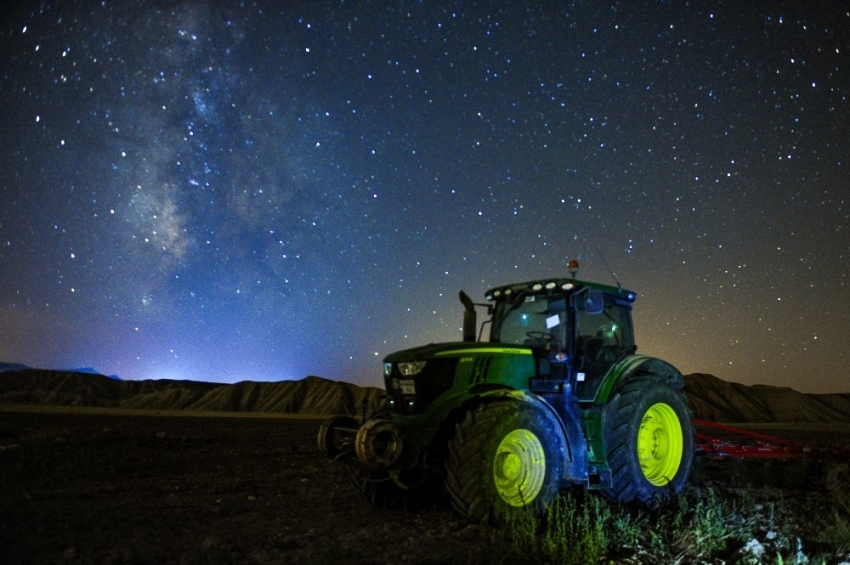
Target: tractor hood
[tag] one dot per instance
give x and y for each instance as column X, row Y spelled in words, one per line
column 442, row 373
column 453, row 349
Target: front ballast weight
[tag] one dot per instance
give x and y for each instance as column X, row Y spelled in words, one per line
column 376, row 444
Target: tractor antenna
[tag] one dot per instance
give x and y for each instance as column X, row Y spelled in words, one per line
column 610, row 272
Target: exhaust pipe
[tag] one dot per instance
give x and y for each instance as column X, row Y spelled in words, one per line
column 470, row 322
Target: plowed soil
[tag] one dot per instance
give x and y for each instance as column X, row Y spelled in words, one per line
column 106, row 487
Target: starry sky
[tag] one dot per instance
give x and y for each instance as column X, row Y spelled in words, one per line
column 227, row 191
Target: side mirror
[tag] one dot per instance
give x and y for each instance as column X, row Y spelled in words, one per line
column 594, row 303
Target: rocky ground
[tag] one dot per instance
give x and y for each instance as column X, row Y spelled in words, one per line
column 116, row 487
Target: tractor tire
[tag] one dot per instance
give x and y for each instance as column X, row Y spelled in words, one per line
column 506, row 457
column 383, row 490
column 649, row 441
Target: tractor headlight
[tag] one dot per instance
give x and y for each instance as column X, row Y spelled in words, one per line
column 388, row 369
column 411, row 368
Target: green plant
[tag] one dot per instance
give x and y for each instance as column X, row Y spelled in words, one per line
column 584, row 528
column 836, row 532
column 578, row 528
column 543, row 538
column 701, row 525
column 705, row 518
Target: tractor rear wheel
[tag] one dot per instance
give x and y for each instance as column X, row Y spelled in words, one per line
column 649, row 441
column 506, row 455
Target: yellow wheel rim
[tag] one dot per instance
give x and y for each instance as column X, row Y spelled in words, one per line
column 519, row 467
column 660, row 444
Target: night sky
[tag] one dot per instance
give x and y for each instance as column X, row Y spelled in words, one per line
column 226, row 191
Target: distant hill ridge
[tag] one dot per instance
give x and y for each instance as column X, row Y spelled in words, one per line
column 710, row 397
column 311, row 395
column 721, row 401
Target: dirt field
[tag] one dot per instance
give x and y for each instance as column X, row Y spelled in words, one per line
column 106, row 487
column 110, row 488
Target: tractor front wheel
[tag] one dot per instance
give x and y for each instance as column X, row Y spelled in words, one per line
column 506, row 455
column 649, row 441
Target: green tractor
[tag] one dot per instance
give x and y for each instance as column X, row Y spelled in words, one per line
column 555, row 397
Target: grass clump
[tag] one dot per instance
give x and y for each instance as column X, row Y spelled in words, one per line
column 578, row 528
column 835, row 532
column 581, row 527
column 806, row 523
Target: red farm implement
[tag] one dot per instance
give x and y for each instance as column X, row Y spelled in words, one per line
column 738, row 443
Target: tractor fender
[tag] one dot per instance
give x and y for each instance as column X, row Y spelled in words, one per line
column 633, row 364
column 523, row 395
column 571, row 429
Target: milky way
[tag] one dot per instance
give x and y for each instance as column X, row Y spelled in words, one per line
column 230, row 191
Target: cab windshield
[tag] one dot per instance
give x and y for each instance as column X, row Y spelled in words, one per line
column 537, row 320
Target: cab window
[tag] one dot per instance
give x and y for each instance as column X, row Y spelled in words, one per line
column 604, row 337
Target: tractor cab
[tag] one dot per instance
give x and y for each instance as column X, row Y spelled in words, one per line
column 576, row 330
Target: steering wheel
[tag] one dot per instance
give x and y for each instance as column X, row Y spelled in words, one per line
column 545, row 338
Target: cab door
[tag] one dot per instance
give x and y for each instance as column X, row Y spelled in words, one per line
column 604, row 336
